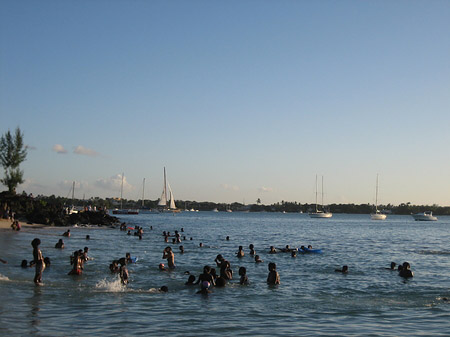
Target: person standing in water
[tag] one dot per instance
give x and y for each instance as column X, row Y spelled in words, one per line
column 168, row 254
column 273, row 278
column 38, row 261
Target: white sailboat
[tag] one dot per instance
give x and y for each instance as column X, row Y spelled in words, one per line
column 320, row 213
column 167, row 203
column 377, row 215
column 121, row 210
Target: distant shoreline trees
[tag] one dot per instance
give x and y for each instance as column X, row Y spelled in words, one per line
column 12, row 153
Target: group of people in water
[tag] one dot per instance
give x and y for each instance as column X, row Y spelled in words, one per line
column 207, row 279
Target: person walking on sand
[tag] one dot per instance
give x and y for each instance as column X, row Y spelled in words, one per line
column 38, row 260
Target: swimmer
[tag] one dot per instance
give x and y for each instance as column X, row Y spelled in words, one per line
column 272, row 250
column 77, row 264
column 309, row 247
column 287, row 249
column 114, row 267
column 273, row 278
column 293, row 253
column 393, row 264
column 24, row 263
column 220, row 282
column 406, row 272
column 38, row 261
column 162, row 267
column 200, row 245
column 240, row 252
column 252, row 249
column 60, row 244
column 243, row 275
column 227, row 238
column 129, row 233
column 47, row 261
column 344, row 270
column 225, row 270
column 164, row 289
column 88, row 237
column 257, row 259
column 205, row 276
column 123, row 271
column 85, row 256
column 168, row 254
column 205, row 288
column 128, row 257
column 182, row 229
column 190, row 280
column 219, row 258
column 213, row 273
column 67, row 233
column 181, row 248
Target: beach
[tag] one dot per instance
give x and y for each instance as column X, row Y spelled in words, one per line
column 6, row 224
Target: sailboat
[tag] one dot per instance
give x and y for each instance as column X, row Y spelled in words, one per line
column 72, row 209
column 121, row 210
column 377, row 215
column 167, row 203
column 320, row 213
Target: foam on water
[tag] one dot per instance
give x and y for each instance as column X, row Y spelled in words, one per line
column 114, row 286
column 4, row 278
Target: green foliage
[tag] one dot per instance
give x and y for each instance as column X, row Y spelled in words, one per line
column 12, row 153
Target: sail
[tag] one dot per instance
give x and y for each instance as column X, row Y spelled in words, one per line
column 163, row 199
column 172, row 200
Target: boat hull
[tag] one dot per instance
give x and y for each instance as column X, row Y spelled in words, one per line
column 378, row 216
column 125, row 211
column 320, row 215
column 424, row 217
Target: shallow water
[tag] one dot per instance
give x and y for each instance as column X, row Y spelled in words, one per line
column 312, row 299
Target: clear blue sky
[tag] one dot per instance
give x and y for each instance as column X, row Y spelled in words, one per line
column 238, row 99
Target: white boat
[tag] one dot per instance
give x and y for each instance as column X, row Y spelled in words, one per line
column 215, row 210
column 424, row 216
column 167, row 204
column 377, row 215
column 320, row 213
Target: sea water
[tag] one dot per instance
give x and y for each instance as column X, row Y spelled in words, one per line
column 312, row 299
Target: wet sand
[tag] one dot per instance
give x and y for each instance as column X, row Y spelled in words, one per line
column 6, row 224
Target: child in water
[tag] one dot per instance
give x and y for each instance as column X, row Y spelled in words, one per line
column 258, row 259
column 273, row 278
column 190, row 281
column 252, row 249
column 205, row 288
column 243, row 274
column 206, row 276
column 123, row 271
column 240, row 252
column 60, row 244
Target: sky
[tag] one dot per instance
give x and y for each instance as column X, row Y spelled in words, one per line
column 239, row 100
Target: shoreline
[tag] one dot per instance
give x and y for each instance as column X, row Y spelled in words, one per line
column 6, row 224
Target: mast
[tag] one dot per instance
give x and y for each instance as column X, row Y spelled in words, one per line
column 316, row 195
column 121, row 192
column 376, row 197
column 322, row 195
column 165, row 186
column 73, row 191
column 143, row 187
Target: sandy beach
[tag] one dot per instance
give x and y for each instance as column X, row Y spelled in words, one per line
column 6, row 224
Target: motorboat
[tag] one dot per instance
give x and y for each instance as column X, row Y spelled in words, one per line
column 424, row 216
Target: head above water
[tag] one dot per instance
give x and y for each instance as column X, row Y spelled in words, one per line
column 272, row 266
column 36, row 242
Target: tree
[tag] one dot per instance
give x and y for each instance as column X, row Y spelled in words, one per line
column 12, row 153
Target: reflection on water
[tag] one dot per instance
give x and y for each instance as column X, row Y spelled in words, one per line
column 311, row 299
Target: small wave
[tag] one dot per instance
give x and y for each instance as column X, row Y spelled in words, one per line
column 4, row 278
column 115, row 286
column 434, row 252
